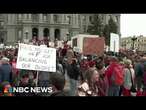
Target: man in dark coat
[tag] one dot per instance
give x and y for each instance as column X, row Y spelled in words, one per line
column 73, row 73
column 58, row 83
column 5, row 70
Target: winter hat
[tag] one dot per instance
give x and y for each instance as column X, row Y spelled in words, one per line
column 127, row 62
column 5, row 59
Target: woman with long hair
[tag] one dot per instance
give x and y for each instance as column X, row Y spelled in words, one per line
column 90, row 86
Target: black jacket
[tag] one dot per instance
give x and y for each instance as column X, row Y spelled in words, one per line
column 73, row 71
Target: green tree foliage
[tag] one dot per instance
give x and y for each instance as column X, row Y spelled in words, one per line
column 111, row 27
column 96, row 26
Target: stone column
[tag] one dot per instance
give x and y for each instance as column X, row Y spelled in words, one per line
column 60, row 18
column 40, row 18
column 19, row 37
column 11, row 19
column 41, row 29
column 25, row 16
column 62, row 21
column 52, row 37
column 73, row 20
column 51, row 19
column 77, row 22
column 29, row 16
column 11, row 35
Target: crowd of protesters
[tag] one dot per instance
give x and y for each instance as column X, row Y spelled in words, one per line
column 122, row 74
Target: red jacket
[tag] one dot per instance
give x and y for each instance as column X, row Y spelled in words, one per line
column 109, row 71
column 91, row 63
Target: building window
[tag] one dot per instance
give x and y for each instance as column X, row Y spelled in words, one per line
column 57, row 34
column 19, row 16
column 90, row 19
column 46, row 32
column 35, row 17
column 75, row 42
column 55, row 17
column 69, row 19
column 138, row 40
column 1, row 24
column 35, row 32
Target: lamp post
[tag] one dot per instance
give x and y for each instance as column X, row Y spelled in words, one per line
column 133, row 40
column 68, row 36
column 26, row 32
column 26, row 37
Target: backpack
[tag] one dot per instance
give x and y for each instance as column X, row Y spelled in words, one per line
column 117, row 77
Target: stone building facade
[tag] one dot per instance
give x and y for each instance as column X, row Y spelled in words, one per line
column 15, row 27
column 139, row 44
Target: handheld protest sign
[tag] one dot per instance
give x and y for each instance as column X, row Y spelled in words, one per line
column 37, row 58
column 114, row 42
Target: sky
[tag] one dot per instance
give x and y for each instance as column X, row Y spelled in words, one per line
column 133, row 24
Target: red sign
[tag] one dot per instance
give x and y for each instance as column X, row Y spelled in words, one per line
column 92, row 46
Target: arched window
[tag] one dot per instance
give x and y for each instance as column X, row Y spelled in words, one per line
column 55, row 17
column 34, row 32
column 46, row 32
column 57, row 34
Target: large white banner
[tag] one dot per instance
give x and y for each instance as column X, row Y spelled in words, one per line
column 38, row 58
column 114, row 42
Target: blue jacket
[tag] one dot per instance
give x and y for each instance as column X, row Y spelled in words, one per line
column 5, row 73
column 139, row 69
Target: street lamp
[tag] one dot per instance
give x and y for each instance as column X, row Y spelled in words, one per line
column 133, row 40
column 68, row 36
column 26, row 32
column 26, row 40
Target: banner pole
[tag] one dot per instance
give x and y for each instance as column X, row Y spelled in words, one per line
column 37, row 78
column 114, row 48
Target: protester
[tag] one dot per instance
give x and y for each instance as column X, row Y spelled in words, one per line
column 43, row 79
column 127, row 78
column 58, row 83
column 144, row 79
column 139, row 73
column 84, row 65
column 90, row 86
column 15, row 71
column 25, row 82
column 103, row 81
column 4, row 88
column 115, row 77
column 59, row 66
column 5, row 70
column 73, row 73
